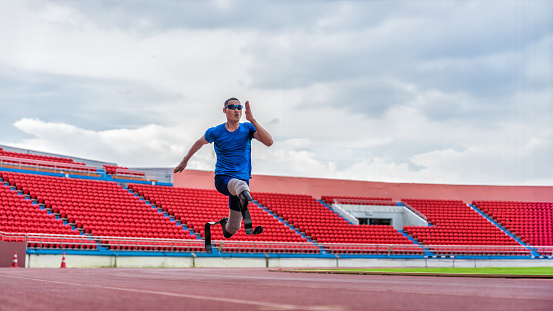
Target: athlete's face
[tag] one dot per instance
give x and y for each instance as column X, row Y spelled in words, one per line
column 233, row 114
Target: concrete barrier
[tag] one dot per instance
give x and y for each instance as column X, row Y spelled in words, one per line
column 95, row 261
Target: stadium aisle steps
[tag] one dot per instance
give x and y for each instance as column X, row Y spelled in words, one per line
column 426, row 251
column 285, row 223
column 178, row 223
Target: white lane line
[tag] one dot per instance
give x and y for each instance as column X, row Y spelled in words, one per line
column 348, row 280
column 329, row 284
column 260, row 304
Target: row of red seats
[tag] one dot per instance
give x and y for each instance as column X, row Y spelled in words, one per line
column 112, row 199
column 329, row 199
column 190, row 205
column 375, row 250
column 163, row 246
column 119, row 170
column 476, row 250
column 35, row 157
column 105, row 208
column 139, row 233
column 322, row 224
column 532, row 222
column 269, row 248
column 18, row 215
column 454, row 223
column 64, row 243
column 195, row 207
column 44, row 161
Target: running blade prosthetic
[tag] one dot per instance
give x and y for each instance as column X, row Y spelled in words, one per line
column 245, row 199
column 226, row 234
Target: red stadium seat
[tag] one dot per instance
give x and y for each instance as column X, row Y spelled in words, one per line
column 530, row 221
column 195, row 207
column 455, row 223
column 323, row 225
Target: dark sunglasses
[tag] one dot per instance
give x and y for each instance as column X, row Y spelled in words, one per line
column 232, row 107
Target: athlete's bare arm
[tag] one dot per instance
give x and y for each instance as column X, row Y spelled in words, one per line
column 261, row 134
column 195, row 147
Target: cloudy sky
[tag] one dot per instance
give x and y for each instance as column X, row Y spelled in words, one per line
column 425, row 91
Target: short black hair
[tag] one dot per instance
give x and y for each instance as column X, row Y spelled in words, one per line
column 232, row 98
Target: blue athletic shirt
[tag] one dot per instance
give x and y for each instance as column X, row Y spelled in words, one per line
column 233, row 149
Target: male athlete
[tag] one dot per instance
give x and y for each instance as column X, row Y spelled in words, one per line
column 233, row 169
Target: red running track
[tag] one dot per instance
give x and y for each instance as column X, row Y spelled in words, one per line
column 259, row 289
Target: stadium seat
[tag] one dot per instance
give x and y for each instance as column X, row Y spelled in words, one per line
column 455, row 223
column 196, row 207
column 97, row 208
column 325, row 226
column 19, row 215
column 44, row 163
column 531, row 222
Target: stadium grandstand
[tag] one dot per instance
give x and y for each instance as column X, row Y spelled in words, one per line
column 53, row 204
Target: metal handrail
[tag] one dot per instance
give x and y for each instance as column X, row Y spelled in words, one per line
column 42, row 241
column 414, row 210
column 24, row 163
column 346, row 214
column 365, row 202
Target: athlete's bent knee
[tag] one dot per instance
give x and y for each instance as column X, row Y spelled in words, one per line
column 234, row 221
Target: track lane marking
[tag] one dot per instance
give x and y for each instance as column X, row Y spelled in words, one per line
column 358, row 281
column 260, row 304
column 326, row 284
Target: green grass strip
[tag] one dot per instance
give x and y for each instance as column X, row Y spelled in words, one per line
column 499, row 271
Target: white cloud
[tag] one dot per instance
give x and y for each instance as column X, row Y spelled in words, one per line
column 155, row 146
column 60, row 40
column 152, row 145
column 492, row 164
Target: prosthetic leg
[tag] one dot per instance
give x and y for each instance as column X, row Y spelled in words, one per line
column 240, row 189
column 226, row 234
column 245, row 200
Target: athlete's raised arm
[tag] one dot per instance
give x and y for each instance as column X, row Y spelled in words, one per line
column 261, row 134
column 195, row 147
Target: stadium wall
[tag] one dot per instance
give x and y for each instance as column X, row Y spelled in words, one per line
column 76, row 260
column 318, row 187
